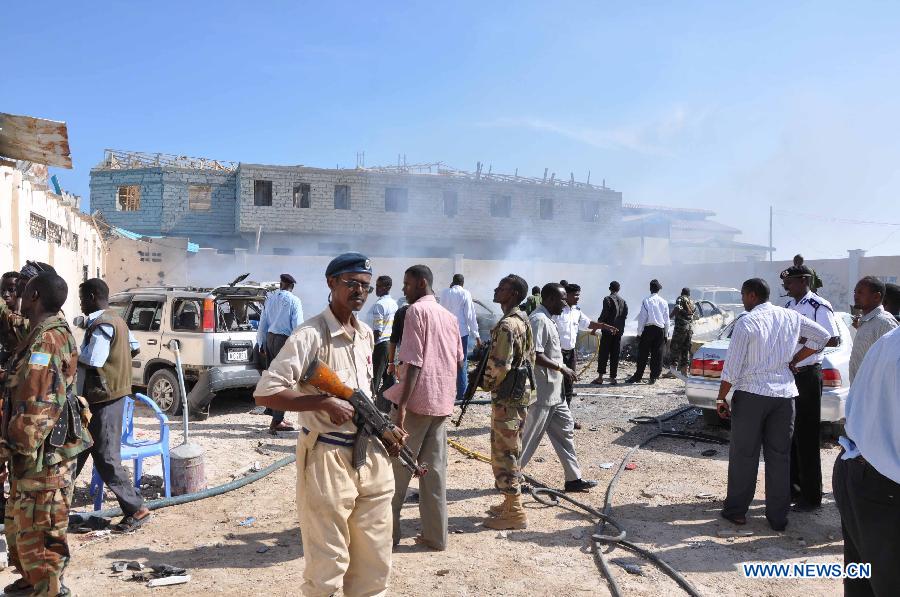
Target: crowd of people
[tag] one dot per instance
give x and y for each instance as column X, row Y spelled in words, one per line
column 64, row 401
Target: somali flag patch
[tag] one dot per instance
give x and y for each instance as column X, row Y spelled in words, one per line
column 39, row 359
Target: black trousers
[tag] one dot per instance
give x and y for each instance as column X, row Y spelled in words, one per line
column 106, row 429
column 653, row 339
column 869, row 504
column 569, row 361
column 380, row 377
column 760, row 421
column 609, row 352
column 274, row 342
column 806, row 464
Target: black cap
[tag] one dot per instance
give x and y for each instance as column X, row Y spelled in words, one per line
column 288, row 279
column 348, row 263
column 796, row 271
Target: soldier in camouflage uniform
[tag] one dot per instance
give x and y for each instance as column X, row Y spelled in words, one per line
column 511, row 346
column 683, row 316
column 43, row 430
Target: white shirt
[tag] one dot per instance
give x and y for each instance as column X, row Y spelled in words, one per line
column 873, row 411
column 381, row 317
column 654, row 311
column 762, row 346
column 823, row 315
column 568, row 323
column 458, row 301
column 872, row 326
column 548, row 382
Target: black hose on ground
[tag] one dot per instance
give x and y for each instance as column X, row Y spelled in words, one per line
column 552, row 497
column 82, row 517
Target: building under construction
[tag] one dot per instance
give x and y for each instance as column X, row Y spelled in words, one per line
column 416, row 210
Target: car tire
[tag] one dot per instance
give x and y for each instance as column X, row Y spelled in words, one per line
column 712, row 419
column 163, row 390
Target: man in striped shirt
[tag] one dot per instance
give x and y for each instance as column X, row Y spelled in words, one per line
column 759, row 367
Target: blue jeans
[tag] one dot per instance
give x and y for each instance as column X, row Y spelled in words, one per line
column 462, row 376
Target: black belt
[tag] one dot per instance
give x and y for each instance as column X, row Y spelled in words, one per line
column 334, row 438
column 808, row 368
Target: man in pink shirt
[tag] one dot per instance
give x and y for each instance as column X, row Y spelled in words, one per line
column 431, row 353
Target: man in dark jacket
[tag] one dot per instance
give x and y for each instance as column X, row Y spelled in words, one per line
column 615, row 311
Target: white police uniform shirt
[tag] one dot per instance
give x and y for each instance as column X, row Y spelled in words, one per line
column 819, row 310
column 568, row 323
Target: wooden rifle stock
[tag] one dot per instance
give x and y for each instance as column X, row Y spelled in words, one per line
column 320, row 376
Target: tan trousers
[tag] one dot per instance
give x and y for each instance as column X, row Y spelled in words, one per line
column 428, row 443
column 345, row 519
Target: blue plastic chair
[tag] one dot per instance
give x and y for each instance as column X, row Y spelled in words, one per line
column 136, row 450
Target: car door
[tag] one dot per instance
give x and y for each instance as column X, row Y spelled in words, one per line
column 710, row 320
column 144, row 319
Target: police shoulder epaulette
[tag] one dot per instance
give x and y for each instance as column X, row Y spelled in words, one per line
column 816, row 304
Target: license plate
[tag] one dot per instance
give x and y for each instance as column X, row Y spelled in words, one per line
column 237, row 355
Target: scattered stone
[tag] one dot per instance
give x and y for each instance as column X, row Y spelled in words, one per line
column 706, row 496
column 443, row 572
column 502, row 535
column 630, row 466
column 606, row 465
column 262, row 549
column 831, row 537
column 709, row 452
column 577, row 534
column 540, row 459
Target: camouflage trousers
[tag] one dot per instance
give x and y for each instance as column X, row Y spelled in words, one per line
column 680, row 347
column 506, row 447
column 36, row 523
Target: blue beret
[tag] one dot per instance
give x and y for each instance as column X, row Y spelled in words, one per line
column 348, row 263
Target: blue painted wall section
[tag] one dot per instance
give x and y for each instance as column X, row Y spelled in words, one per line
column 165, row 206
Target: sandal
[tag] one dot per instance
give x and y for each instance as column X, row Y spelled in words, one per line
column 130, row 524
column 20, row 586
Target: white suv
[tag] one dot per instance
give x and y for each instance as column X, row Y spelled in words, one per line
column 216, row 331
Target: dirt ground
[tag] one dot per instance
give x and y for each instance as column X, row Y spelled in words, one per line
column 657, row 503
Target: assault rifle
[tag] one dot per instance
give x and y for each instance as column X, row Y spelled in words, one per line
column 475, row 378
column 368, row 419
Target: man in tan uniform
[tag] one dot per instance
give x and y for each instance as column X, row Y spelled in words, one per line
column 345, row 513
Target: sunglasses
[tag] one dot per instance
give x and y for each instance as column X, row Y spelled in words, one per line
column 356, row 285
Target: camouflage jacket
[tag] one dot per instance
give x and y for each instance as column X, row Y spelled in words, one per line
column 684, row 312
column 13, row 329
column 43, row 373
column 511, row 344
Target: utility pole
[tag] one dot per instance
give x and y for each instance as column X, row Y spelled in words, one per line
column 770, row 233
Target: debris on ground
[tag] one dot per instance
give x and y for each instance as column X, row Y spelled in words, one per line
column 123, row 565
column 258, row 410
column 628, row 567
column 170, row 580
column 630, row 466
column 735, row 533
column 262, row 549
column 247, row 522
column 606, row 465
column 709, row 452
column 443, row 572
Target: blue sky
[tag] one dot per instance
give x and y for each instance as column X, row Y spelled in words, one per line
column 728, row 106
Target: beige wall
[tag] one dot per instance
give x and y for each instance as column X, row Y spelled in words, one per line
column 20, row 196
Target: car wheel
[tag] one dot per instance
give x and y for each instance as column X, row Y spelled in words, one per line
column 163, row 390
column 712, row 419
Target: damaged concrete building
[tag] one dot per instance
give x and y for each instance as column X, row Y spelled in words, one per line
column 416, row 211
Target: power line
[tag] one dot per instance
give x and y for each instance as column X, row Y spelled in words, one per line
column 834, row 220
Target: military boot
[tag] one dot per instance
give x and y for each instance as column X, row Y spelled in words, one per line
column 497, row 509
column 512, row 515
